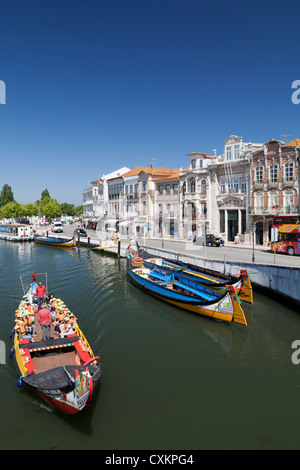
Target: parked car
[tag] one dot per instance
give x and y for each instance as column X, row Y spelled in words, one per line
column 56, row 227
column 80, row 231
column 211, row 240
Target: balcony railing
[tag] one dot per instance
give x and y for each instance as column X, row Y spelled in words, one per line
column 273, row 210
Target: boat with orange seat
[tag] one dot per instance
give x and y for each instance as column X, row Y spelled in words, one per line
column 63, row 371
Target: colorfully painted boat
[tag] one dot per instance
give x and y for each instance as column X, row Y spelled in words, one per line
column 63, row 371
column 207, row 277
column 55, row 241
column 180, row 290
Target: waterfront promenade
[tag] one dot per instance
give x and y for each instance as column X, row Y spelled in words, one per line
column 230, row 252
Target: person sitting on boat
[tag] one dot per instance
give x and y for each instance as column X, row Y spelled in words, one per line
column 41, row 294
column 20, row 328
column 50, row 300
column 53, row 313
column 65, row 328
column 31, row 325
column 45, row 321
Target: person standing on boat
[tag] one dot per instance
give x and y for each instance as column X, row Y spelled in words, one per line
column 41, row 294
column 45, row 321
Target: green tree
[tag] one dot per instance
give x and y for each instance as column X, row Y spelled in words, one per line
column 50, row 208
column 45, row 193
column 6, row 195
column 68, row 209
column 29, row 210
column 11, row 210
column 79, row 210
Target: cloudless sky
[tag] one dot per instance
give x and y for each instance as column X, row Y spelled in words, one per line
column 95, row 85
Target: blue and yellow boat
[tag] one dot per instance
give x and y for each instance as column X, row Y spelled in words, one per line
column 207, row 277
column 181, row 291
column 55, row 241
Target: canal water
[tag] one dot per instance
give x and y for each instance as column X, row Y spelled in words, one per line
column 170, row 379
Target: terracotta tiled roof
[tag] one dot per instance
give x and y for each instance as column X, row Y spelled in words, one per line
column 151, row 171
column 294, row 142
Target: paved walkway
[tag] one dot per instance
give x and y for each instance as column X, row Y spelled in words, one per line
column 230, row 252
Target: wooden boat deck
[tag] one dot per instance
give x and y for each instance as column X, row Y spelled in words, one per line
column 50, row 361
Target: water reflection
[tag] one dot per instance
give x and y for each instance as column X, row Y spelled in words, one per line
column 170, row 379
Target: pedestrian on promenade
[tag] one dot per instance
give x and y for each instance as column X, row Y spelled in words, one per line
column 41, row 294
column 45, row 321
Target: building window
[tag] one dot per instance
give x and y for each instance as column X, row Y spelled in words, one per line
column 201, row 163
column 160, row 189
column 289, row 171
column 203, row 187
column 273, row 200
column 258, row 200
column 136, row 188
column 259, row 174
column 273, row 173
column 228, row 153
column 168, row 188
column 236, row 152
column 175, row 188
column 193, row 162
column 144, row 185
column 288, row 200
column 131, row 189
column 126, row 189
column 193, row 186
column 223, row 187
column 144, row 207
column 244, row 185
column 233, row 186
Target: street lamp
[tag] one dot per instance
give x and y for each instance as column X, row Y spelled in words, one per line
column 253, row 230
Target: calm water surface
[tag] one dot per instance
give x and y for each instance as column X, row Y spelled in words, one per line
column 170, row 379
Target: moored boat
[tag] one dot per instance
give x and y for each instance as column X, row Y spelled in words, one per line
column 207, row 277
column 181, row 291
column 55, row 241
column 16, row 232
column 63, row 371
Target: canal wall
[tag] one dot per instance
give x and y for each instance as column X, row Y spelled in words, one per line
column 282, row 283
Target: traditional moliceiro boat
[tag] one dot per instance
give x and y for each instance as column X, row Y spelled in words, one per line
column 209, row 278
column 181, row 291
column 63, row 371
column 55, row 241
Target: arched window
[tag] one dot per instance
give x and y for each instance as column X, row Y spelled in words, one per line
column 288, row 200
column 259, row 200
column 273, row 199
column 193, row 185
column 203, row 187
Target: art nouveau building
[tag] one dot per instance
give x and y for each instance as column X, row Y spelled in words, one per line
column 194, row 196
column 230, row 189
column 274, row 185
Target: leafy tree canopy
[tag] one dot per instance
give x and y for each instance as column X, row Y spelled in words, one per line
column 50, row 208
column 6, row 195
column 45, row 193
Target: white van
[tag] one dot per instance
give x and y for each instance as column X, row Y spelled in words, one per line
column 56, row 227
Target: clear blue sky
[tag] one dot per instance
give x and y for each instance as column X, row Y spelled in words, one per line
column 95, row 85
